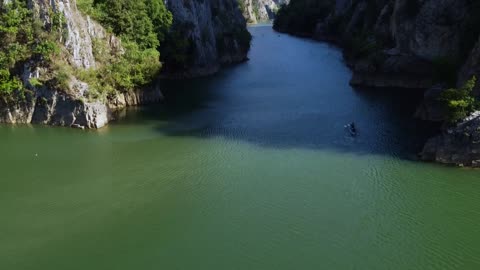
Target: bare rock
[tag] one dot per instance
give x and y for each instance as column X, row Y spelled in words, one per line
column 457, row 145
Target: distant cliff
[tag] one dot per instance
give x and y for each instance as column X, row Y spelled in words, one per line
column 256, row 11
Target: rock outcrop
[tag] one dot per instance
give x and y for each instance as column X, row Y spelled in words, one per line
column 423, row 34
column 205, row 35
column 256, row 11
column 52, row 107
column 471, row 68
column 70, row 106
column 457, row 145
column 399, row 43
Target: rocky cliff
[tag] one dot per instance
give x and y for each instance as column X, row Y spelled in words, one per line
column 256, row 11
column 205, row 35
column 69, row 104
column 456, row 145
column 400, row 43
column 420, row 44
column 62, row 77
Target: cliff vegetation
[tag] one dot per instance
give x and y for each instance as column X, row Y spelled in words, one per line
column 142, row 26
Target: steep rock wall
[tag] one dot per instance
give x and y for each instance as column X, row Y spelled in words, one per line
column 374, row 32
column 205, row 35
column 69, row 106
column 256, row 11
column 421, row 44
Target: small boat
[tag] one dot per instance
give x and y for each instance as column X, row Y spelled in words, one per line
column 351, row 129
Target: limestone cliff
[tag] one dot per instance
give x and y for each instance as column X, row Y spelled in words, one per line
column 421, row 44
column 205, row 35
column 67, row 89
column 68, row 105
column 388, row 40
column 256, row 11
column 399, row 43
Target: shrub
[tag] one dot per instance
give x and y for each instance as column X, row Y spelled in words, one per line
column 62, row 79
column 460, row 102
column 35, row 82
column 9, row 84
column 142, row 25
column 46, row 49
column 145, row 22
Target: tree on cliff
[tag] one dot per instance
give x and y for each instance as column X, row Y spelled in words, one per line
column 144, row 21
column 142, row 26
column 22, row 38
column 460, row 102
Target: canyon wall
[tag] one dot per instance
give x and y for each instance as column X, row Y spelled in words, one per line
column 428, row 45
column 205, row 35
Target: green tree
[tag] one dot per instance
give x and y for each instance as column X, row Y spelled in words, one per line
column 16, row 39
column 460, row 102
column 143, row 21
column 161, row 18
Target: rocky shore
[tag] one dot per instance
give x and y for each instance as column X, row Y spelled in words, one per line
column 458, row 144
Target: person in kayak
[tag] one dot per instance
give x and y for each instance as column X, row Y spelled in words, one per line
column 352, row 128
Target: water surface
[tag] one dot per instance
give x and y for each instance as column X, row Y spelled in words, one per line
column 248, row 169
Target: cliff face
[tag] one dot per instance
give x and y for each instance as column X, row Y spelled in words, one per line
column 471, row 67
column 399, row 43
column 205, row 35
column 69, row 106
column 456, row 145
column 391, row 38
column 256, row 11
column 421, row 44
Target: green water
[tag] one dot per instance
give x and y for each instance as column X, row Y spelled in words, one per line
column 248, row 169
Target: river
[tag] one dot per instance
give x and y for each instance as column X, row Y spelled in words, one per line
column 249, row 169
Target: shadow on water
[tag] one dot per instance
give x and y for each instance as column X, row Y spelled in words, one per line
column 294, row 93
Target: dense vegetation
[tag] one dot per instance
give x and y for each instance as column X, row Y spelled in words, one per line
column 460, row 102
column 144, row 22
column 142, row 26
column 23, row 38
